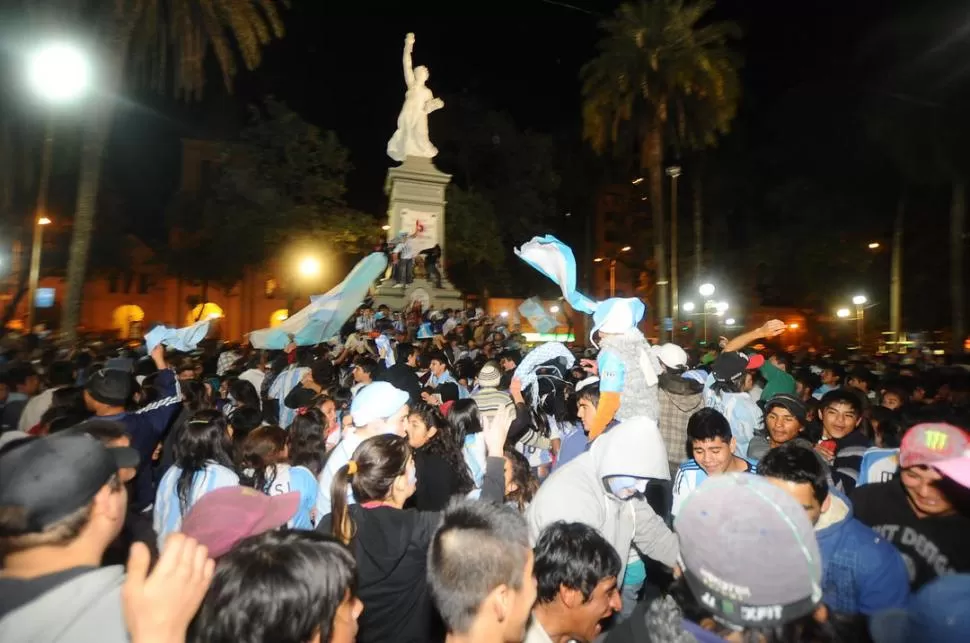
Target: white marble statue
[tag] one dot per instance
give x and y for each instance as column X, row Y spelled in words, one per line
column 411, row 137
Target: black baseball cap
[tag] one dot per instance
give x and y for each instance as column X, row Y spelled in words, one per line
column 52, row 477
column 110, row 386
column 789, row 402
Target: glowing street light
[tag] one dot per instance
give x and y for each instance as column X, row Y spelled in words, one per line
column 309, row 267
column 626, row 249
column 637, row 181
column 688, row 307
column 554, row 309
column 706, row 290
column 598, row 260
column 504, row 314
column 874, row 245
column 721, row 306
column 43, row 221
column 385, row 227
column 859, row 300
column 843, row 313
column 59, row 72
column 730, row 321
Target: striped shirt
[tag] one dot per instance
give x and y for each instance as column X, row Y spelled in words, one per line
column 281, row 387
column 168, row 513
column 491, row 400
column 689, row 477
column 300, row 479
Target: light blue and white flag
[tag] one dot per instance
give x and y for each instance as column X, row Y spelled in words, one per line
column 538, row 316
column 180, row 339
column 322, row 319
column 555, row 260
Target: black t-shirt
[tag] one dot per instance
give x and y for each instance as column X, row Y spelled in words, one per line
column 931, row 547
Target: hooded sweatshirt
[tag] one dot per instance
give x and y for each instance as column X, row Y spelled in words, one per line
column 861, row 572
column 576, row 492
column 391, row 548
column 86, row 608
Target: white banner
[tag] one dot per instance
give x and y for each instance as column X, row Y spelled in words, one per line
column 426, row 224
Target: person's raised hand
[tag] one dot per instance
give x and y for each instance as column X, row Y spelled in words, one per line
column 158, row 606
column 495, row 429
column 773, row 328
column 590, row 366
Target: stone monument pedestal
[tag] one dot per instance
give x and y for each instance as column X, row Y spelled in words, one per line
column 416, row 194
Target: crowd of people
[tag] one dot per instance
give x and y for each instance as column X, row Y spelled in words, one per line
column 428, row 476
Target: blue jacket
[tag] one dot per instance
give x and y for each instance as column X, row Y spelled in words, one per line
column 147, row 426
column 861, row 572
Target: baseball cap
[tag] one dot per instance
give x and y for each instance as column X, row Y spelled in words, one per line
column 52, row 477
column 956, row 469
column 376, row 401
column 109, row 386
column 748, row 551
column 931, row 442
column 223, row 517
column 489, row 376
column 729, row 365
column 789, row 402
column 939, row 612
column 671, row 355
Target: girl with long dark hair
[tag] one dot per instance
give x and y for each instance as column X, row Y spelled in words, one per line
column 264, row 464
column 438, row 460
column 466, row 425
column 393, row 570
column 203, row 463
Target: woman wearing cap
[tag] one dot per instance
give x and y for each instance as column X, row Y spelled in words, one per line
column 390, row 542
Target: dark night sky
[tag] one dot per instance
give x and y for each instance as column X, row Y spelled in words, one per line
column 339, row 66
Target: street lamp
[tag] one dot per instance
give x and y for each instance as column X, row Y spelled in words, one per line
column 35, row 268
column 860, row 315
column 309, row 267
column 385, row 227
column 688, row 307
column 612, row 268
column 874, row 245
column 706, row 290
column 674, row 171
column 843, row 313
column 58, row 73
column 730, row 321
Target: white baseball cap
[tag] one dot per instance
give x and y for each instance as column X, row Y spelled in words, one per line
column 671, row 355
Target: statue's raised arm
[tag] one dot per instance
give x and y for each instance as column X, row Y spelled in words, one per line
column 408, row 65
column 411, row 137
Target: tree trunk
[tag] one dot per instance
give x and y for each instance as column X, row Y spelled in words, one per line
column 94, row 138
column 697, row 185
column 651, row 161
column 957, row 216
column 92, row 150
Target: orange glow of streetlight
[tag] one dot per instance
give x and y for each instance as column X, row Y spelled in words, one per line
column 793, row 326
column 43, row 221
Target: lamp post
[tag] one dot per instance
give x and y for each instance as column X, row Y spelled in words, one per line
column 710, row 307
column 674, row 171
column 860, row 315
column 612, row 261
column 58, row 73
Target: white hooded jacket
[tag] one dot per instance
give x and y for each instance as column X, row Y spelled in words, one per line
column 576, row 492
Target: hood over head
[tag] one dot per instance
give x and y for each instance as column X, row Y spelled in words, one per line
column 633, row 448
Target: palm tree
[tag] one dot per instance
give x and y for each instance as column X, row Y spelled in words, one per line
column 660, row 77
column 168, row 43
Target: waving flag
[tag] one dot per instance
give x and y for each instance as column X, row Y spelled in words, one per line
column 555, row 260
column 540, row 319
column 323, row 318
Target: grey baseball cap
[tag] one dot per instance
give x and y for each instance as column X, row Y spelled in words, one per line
column 748, row 551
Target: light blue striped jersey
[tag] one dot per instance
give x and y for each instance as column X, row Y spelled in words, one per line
column 300, row 479
column 341, row 455
column 281, row 387
column 742, row 413
column 689, row 476
column 475, row 457
column 168, row 513
column 878, row 465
